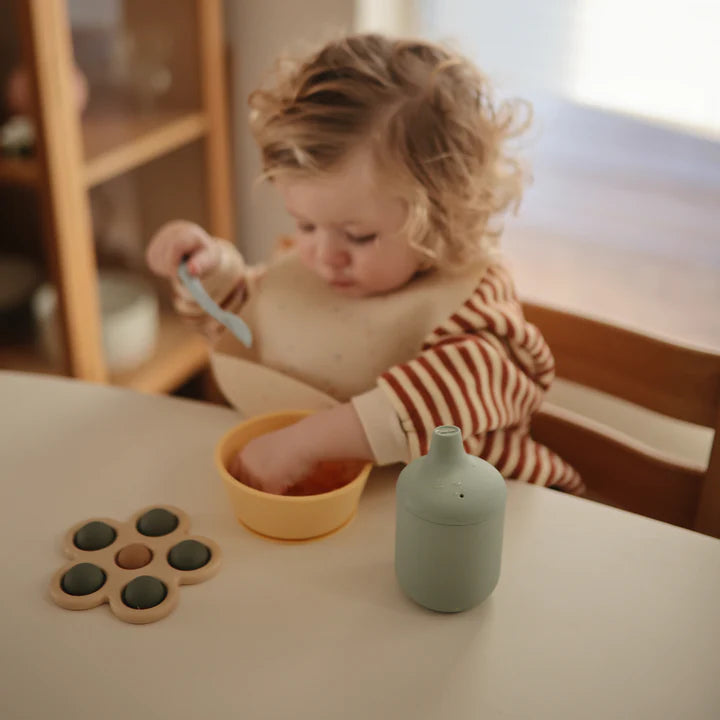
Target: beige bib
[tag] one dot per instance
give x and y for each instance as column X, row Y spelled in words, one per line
column 313, row 347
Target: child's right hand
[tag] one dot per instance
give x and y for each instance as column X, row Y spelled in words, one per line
column 177, row 239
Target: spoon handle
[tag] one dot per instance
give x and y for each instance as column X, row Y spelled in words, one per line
column 232, row 322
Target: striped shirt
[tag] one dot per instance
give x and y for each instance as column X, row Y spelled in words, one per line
column 485, row 370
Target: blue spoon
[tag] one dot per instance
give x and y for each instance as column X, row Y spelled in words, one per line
column 232, row 322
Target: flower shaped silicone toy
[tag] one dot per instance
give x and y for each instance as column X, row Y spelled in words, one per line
column 136, row 566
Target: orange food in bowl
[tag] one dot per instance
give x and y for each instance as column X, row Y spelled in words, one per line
column 326, row 476
column 318, row 505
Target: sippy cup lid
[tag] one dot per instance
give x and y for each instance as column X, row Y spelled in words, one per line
column 450, row 487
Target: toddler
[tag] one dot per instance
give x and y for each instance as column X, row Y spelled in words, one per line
column 392, row 157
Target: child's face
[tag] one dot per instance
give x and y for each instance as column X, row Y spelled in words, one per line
column 348, row 224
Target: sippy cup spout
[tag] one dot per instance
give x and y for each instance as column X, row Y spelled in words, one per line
column 446, row 444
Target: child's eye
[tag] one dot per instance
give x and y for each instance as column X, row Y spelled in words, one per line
column 361, row 239
column 306, row 227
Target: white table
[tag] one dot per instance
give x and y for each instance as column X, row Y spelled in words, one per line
column 598, row 614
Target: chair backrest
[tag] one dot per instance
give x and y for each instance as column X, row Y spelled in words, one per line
column 676, row 381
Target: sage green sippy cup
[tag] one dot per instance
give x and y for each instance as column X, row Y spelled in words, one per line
column 450, row 513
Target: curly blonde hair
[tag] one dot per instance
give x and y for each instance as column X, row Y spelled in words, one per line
column 433, row 124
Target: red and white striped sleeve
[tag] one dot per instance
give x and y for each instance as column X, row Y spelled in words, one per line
column 465, row 381
column 484, row 370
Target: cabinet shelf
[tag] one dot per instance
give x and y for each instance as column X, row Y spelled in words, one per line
column 180, row 353
column 117, row 142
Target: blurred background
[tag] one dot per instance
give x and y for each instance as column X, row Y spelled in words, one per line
column 621, row 221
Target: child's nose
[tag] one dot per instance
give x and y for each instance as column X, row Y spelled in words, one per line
column 332, row 254
column 338, row 260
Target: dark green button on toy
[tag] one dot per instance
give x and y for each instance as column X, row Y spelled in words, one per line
column 157, row 522
column 189, row 555
column 144, row 592
column 82, row 579
column 95, row 535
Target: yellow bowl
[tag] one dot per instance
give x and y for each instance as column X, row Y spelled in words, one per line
column 282, row 516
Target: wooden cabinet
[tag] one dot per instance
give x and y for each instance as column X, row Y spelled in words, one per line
column 158, row 120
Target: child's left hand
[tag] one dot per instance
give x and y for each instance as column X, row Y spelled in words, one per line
column 276, row 461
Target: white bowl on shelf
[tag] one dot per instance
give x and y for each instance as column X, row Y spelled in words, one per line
column 130, row 319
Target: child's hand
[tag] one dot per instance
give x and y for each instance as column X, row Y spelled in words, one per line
column 276, row 461
column 175, row 240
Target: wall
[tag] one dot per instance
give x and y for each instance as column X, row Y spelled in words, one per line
column 259, row 30
column 520, row 44
column 395, row 17
column 650, row 58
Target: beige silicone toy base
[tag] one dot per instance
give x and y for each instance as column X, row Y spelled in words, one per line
column 117, row 577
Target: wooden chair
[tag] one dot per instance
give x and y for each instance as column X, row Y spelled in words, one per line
column 676, row 381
